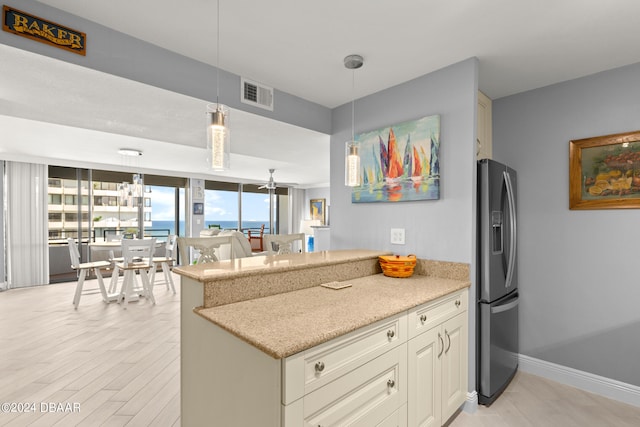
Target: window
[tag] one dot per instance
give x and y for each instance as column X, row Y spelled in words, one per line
column 221, row 208
column 55, row 199
column 73, row 217
column 255, row 211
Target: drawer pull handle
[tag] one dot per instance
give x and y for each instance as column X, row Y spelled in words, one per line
column 423, row 318
column 457, row 303
column 390, row 333
column 391, row 383
column 319, row 366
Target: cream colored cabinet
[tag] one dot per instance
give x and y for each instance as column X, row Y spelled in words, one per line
column 454, row 365
column 424, row 380
column 437, row 365
column 407, row 369
column 397, row 419
column 363, row 397
column 484, row 149
column 355, row 380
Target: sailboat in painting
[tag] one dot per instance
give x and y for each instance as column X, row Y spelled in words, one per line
column 392, row 172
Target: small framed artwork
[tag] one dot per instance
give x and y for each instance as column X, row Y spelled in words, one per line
column 198, row 208
column 317, row 210
column 604, row 172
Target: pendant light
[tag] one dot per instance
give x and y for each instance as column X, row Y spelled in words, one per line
column 218, row 141
column 352, row 148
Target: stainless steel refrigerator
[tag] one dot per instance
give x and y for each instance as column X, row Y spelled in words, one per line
column 497, row 323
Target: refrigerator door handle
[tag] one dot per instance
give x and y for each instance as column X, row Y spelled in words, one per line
column 505, row 307
column 512, row 234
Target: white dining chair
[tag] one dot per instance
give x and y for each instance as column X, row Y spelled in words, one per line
column 284, row 243
column 82, row 269
column 137, row 257
column 206, row 247
column 166, row 262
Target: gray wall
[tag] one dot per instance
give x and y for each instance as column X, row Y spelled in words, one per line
column 437, row 229
column 578, row 270
column 118, row 54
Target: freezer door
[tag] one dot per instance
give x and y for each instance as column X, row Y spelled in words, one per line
column 497, row 240
column 498, row 346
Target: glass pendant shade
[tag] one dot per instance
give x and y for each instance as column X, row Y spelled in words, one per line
column 218, row 138
column 131, row 192
column 352, row 164
column 352, row 175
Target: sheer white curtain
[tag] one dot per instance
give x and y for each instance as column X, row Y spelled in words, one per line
column 297, row 209
column 27, row 225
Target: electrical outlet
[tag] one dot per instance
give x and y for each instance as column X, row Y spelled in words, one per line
column 397, row 236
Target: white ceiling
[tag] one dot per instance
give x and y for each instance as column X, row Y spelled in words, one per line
column 62, row 114
column 298, row 47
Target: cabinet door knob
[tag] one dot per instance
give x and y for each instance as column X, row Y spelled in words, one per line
column 423, row 318
column 319, row 366
column 457, row 303
column 390, row 333
column 391, row 384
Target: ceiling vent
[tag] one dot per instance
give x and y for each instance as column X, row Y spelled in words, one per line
column 256, row 94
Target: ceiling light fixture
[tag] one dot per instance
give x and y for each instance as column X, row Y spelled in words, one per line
column 218, row 141
column 352, row 149
column 130, row 152
column 131, row 194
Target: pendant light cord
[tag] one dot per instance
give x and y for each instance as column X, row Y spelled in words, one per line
column 353, row 108
column 218, row 52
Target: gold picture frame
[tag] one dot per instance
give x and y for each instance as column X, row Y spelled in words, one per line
column 317, row 210
column 604, row 172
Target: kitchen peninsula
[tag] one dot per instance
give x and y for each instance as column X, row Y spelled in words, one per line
column 262, row 343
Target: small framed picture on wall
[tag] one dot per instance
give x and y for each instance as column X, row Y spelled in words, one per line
column 317, row 210
column 198, row 208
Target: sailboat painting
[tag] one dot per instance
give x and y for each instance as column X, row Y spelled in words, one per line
column 400, row 163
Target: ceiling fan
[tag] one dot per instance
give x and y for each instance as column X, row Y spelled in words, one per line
column 271, row 184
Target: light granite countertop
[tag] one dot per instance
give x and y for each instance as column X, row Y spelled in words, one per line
column 284, row 324
column 261, row 264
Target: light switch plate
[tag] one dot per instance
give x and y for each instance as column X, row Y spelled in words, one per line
column 397, row 236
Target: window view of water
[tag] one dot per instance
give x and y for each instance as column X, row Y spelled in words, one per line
column 225, row 225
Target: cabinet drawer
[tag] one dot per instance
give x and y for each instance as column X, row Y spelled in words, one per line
column 313, row 368
column 363, row 397
column 428, row 315
column 397, row 419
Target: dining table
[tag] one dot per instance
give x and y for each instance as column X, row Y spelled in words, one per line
column 113, row 247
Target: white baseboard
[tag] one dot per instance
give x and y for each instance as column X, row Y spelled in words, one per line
column 3, row 286
column 471, row 404
column 603, row 386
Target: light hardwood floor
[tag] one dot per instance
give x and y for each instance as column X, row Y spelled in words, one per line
column 532, row 401
column 123, row 368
